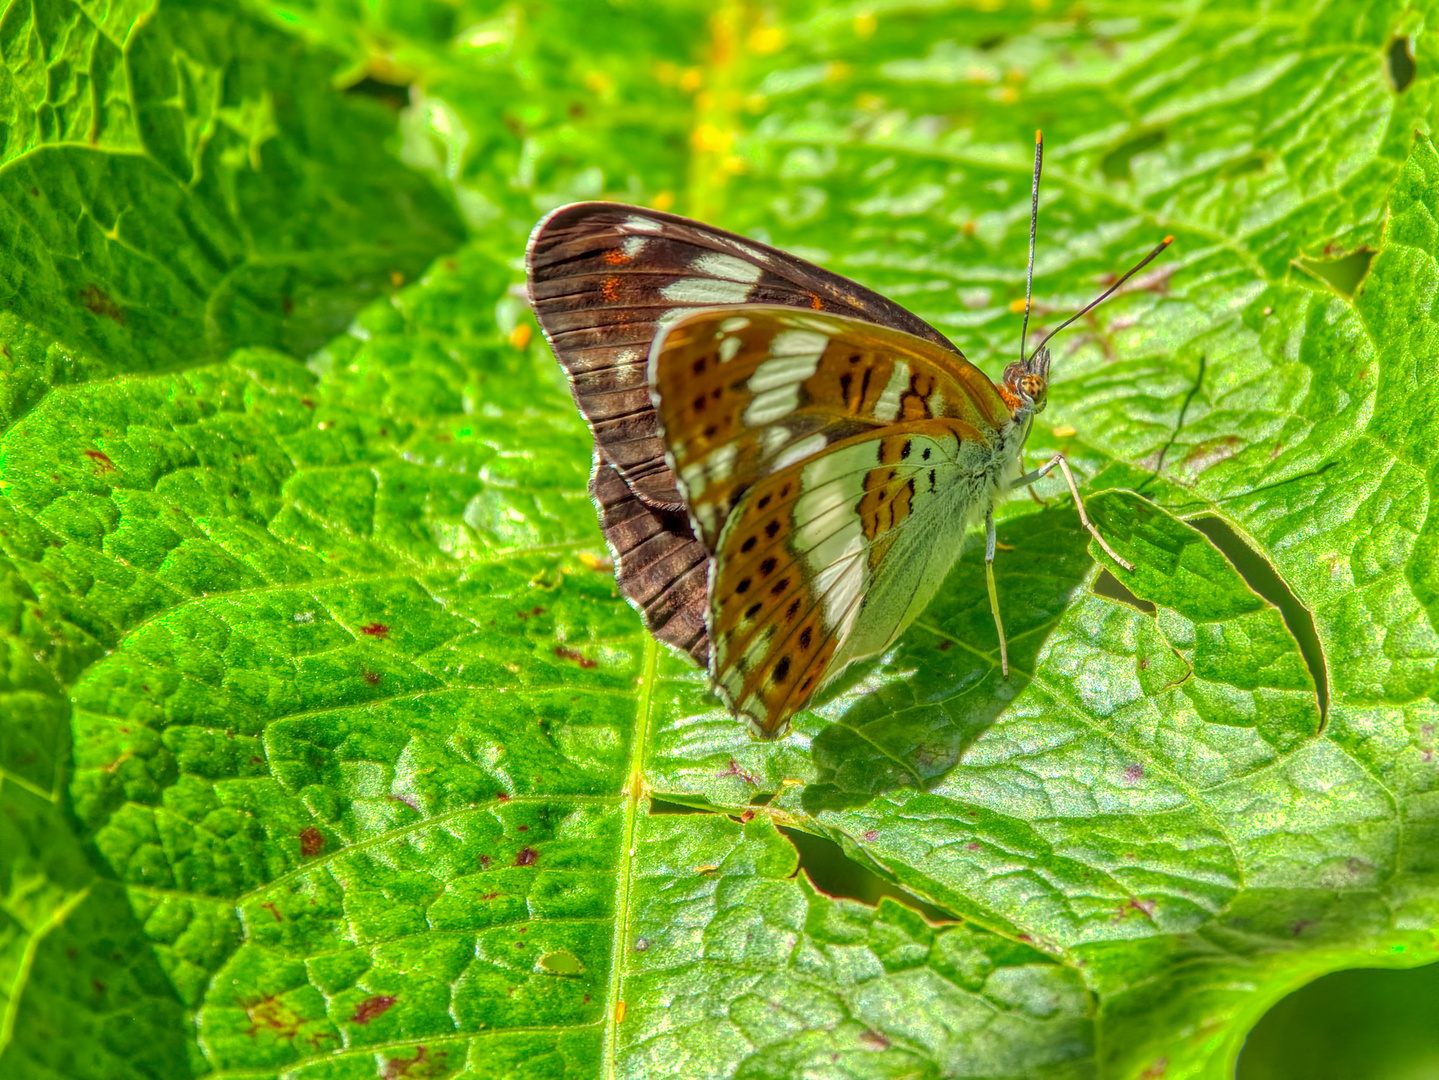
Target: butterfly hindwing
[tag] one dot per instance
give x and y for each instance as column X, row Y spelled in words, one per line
column 663, row 570
column 828, row 560
column 832, row 467
column 603, row 276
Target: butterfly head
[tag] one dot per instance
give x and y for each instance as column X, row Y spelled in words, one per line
column 1026, row 385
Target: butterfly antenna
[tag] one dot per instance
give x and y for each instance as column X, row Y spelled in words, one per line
column 1033, row 227
column 1107, row 293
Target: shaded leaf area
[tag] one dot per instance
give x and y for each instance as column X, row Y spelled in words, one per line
column 173, row 191
column 327, row 739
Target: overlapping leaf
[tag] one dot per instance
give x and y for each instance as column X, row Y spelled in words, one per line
column 327, row 744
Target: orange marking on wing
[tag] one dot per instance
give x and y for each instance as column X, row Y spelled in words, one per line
column 616, row 257
column 792, row 673
column 610, row 290
column 914, row 402
column 850, row 381
column 815, row 302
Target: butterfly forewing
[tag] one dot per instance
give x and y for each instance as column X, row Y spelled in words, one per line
column 745, row 391
column 809, row 447
column 603, row 276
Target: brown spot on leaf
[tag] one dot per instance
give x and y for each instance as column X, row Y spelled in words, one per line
column 102, row 461
column 735, row 770
column 98, row 301
column 272, row 1014
column 1134, row 774
column 871, row 835
column 526, row 857
column 484, row 862
column 570, row 654
column 399, row 1068
column 874, row 1039
column 945, row 646
column 377, row 630
column 372, row 677
column 372, row 1007
column 275, row 911
column 1211, row 452
column 312, row 841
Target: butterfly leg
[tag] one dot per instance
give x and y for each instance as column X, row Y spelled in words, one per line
column 993, row 592
column 1063, row 466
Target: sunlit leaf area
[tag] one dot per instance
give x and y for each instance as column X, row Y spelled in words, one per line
column 328, row 749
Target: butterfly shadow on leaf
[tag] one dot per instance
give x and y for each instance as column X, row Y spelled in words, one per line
column 907, row 719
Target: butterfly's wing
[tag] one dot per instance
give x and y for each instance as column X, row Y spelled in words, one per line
column 661, row 566
column 832, row 466
column 603, row 276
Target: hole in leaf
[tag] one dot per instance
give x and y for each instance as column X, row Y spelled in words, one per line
column 1116, row 163
column 661, row 806
column 1368, row 1022
column 836, row 874
column 387, row 94
column 1401, row 64
column 1342, row 275
column 1111, row 588
column 1265, row 580
column 562, row 963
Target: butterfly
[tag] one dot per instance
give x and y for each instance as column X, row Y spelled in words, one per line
column 786, row 463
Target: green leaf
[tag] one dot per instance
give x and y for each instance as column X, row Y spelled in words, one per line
column 327, row 748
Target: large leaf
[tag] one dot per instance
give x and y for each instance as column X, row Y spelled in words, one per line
column 328, row 748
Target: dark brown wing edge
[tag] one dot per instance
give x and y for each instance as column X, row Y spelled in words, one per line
column 661, row 569
column 597, row 276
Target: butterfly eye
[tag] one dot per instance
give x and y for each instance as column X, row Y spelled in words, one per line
column 1033, row 387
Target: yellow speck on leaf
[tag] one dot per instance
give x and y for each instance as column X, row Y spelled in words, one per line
column 764, row 40
column 619, row 1012
column 709, row 139
column 520, row 335
column 663, row 201
column 1064, row 431
column 1017, row 305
